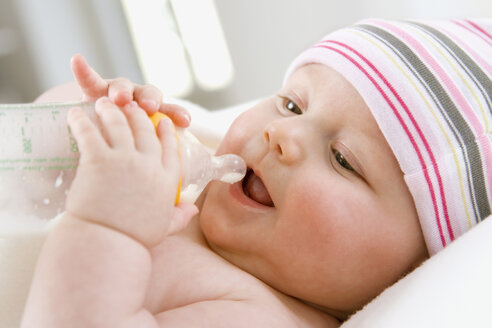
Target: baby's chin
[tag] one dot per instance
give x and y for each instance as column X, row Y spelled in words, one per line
column 209, row 227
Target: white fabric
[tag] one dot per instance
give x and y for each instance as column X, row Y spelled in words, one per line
column 452, row 289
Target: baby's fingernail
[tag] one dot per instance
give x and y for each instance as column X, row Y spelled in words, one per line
column 130, row 106
column 150, row 104
column 104, row 100
column 72, row 113
column 165, row 123
column 100, row 102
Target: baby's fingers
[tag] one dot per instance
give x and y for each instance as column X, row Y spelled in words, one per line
column 120, row 91
column 143, row 130
column 169, row 144
column 89, row 139
column 178, row 114
column 115, row 125
column 148, row 97
column 92, row 84
column 183, row 213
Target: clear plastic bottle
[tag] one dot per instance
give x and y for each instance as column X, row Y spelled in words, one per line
column 39, row 155
column 199, row 166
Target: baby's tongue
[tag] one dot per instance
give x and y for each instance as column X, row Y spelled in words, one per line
column 256, row 190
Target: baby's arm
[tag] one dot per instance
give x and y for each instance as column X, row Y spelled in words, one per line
column 95, row 266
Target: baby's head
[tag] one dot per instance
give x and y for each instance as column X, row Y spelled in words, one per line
column 375, row 153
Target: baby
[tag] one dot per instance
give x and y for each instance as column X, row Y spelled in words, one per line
column 374, row 155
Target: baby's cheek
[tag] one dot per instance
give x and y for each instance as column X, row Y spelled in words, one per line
column 313, row 226
column 311, row 204
column 326, row 204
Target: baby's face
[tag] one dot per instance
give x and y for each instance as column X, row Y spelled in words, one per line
column 324, row 214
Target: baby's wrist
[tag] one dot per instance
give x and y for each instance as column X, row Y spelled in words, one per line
column 148, row 238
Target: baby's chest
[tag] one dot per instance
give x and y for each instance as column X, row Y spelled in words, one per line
column 185, row 272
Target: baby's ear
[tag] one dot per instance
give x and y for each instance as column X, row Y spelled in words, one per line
column 183, row 213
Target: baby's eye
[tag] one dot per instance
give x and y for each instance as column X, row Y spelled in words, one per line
column 291, row 106
column 342, row 160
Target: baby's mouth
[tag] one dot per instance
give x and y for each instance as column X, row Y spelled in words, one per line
column 254, row 188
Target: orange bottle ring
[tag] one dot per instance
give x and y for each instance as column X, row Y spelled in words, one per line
column 156, row 118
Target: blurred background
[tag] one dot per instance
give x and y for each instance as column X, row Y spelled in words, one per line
column 214, row 53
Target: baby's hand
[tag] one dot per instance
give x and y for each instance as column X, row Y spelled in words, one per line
column 122, row 91
column 128, row 175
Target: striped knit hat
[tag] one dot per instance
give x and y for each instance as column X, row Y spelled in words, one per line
column 429, row 87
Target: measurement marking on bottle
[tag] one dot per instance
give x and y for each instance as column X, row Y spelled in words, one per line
column 37, row 131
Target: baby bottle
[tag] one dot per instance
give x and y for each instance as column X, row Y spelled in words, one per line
column 199, row 166
column 39, row 157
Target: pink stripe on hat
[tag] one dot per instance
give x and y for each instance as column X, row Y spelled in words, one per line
column 429, row 87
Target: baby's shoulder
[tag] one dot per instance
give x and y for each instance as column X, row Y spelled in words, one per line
column 187, row 275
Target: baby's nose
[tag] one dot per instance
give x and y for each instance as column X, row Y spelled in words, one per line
column 283, row 142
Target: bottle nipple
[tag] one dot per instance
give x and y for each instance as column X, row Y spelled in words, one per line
column 199, row 166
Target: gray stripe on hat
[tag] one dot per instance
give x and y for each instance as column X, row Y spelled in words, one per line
column 481, row 80
column 462, row 132
column 476, row 74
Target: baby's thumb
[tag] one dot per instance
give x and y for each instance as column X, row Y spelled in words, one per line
column 183, row 213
